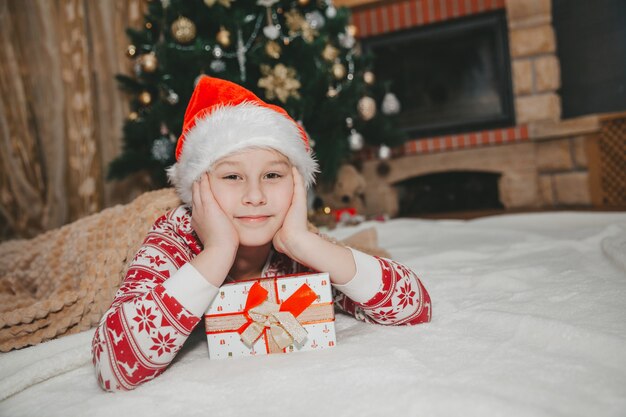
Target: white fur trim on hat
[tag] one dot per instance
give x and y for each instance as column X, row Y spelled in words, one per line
column 229, row 129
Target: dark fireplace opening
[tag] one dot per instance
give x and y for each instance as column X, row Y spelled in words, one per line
column 451, row 77
column 446, row 192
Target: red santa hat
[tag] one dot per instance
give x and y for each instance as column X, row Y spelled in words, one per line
column 223, row 118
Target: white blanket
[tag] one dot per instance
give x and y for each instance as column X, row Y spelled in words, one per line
column 529, row 319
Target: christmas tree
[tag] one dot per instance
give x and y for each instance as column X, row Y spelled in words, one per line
column 301, row 55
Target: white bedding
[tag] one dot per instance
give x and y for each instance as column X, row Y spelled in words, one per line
column 529, row 319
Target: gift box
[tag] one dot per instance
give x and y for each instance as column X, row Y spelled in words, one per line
column 271, row 315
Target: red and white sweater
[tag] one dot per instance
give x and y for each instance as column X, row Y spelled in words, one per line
column 163, row 297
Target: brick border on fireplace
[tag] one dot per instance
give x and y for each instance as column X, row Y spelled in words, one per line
column 383, row 18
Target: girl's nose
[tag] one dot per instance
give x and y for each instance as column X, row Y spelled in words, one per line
column 254, row 194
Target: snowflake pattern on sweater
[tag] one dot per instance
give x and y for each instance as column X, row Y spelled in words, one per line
column 140, row 334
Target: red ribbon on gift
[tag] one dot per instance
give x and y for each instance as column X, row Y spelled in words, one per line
column 295, row 304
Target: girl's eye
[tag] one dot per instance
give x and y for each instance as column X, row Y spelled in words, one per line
column 231, row 177
column 273, row 175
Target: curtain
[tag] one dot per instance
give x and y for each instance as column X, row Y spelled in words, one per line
column 61, row 113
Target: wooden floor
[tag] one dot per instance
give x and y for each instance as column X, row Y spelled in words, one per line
column 466, row 215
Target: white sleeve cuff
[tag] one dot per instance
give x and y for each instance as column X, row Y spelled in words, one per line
column 191, row 290
column 367, row 280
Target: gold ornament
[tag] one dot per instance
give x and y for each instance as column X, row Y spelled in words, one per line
column 183, row 30
column 330, row 53
column 339, row 70
column 351, row 30
column 303, row 2
column 145, row 98
column 223, row 37
column 279, row 82
column 211, row 3
column 149, row 62
column 273, row 49
column 298, row 25
column 131, row 51
column 367, row 108
column 332, row 92
column 133, row 115
column 368, row 77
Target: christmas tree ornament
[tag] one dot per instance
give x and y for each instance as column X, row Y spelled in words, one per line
column 367, row 108
column 145, row 98
column 299, row 26
column 303, row 2
column 217, row 51
column 384, row 152
column 133, row 115
column 351, row 30
column 330, row 53
column 315, row 19
column 241, row 55
column 211, row 3
column 266, row 3
column 223, row 37
column 131, row 51
column 172, row 98
column 279, row 82
column 273, row 49
column 217, row 66
column 331, row 12
column 369, row 78
column 346, row 41
column 165, row 3
column 271, row 32
column 339, row 70
column 183, row 30
column 355, row 140
column 332, row 92
column 163, row 129
column 162, row 149
column 349, row 122
column 149, row 62
column 390, row 104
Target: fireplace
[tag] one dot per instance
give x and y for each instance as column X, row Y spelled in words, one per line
column 519, row 139
column 451, row 77
column 449, row 192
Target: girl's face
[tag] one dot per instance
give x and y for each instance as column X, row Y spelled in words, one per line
column 254, row 188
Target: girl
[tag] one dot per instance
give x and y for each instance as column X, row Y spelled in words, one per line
column 242, row 170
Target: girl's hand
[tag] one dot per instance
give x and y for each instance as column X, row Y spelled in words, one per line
column 213, row 227
column 294, row 231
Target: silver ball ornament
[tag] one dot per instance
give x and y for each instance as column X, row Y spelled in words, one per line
column 355, row 140
column 390, row 104
column 384, row 152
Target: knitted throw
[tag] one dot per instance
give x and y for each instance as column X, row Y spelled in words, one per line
column 62, row 281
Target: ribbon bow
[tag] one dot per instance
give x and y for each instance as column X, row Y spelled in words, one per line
column 280, row 319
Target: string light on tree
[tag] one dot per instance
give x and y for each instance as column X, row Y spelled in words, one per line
column 131, row 51
column 149, row 62
column 145, row 98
